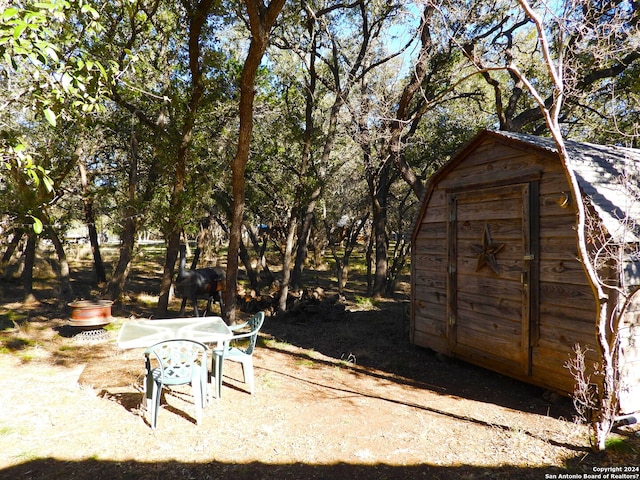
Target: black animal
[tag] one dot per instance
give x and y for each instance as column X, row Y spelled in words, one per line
column 199, row 283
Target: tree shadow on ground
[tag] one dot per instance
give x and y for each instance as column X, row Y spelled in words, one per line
column 377, row 342
column 50, row 468
column 467, row 418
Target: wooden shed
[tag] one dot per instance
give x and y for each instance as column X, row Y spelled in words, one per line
column 495, row 273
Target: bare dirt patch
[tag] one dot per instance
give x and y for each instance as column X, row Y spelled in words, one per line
column 337, row 396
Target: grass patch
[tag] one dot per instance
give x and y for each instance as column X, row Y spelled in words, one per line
column 18, row 344
column 6, row 431
column 11, row 319
column 305, row 362
column 619, row 445
column 67, row 348
column 366, row 303
column 113, row 326
column 269, row 381
column 26, row 357
column 147, row 299
column 275, row 344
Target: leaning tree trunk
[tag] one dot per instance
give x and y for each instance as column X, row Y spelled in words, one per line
column 18, row 233
column 603, row 419
column 406, row 112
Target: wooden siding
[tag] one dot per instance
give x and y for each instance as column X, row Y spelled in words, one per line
column 488, row 327
column 630, row 358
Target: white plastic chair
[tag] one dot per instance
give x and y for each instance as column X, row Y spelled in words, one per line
column 236, row 354
column 177, row 362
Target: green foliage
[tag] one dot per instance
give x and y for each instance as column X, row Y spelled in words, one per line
column 40, row 41
column 43, row 62
column 61, row 59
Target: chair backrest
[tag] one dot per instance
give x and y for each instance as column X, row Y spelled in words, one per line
column 255, row 323
column 177, row 359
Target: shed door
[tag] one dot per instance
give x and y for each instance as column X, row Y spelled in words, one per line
column 490, row 274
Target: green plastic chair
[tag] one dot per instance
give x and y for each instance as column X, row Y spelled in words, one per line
column 236, row 354
column 175, row 362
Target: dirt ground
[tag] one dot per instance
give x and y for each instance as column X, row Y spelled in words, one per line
column 340, row 393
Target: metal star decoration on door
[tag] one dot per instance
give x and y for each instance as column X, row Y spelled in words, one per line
column 487, row 252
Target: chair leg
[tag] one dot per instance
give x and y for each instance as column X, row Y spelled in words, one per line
column 151, row 396
column 196, row 386
column 247, row 372
column 217, row 372
column 155, row 402
column 204, row 384
column 148, row 390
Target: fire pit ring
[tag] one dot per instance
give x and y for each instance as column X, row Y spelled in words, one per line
column 88, row 319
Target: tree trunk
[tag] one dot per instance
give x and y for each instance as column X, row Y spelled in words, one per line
column 606, row 328
column 197, row 20
column 127, row 241
column 66, row 291
column 251, row 273
column 260, row 21
column 382, row 244
column 115, row 286
column 381, row 239
column 18, row 233
column 286, row 266
column 303, row 241
column 173, row 248
column 370, row 262
column 264, row 274
column 90, row 220
column 309, row 131
column 350, row 240
column 29, row 262
column 406, row 112
column 602, row 422
column 398, row 263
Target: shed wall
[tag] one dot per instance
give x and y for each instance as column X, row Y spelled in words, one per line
column 565, row 312
column 630, row 355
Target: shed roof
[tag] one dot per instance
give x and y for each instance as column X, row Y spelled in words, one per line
column 609, row 179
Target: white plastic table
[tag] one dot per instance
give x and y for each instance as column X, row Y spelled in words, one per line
column 144, row 333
